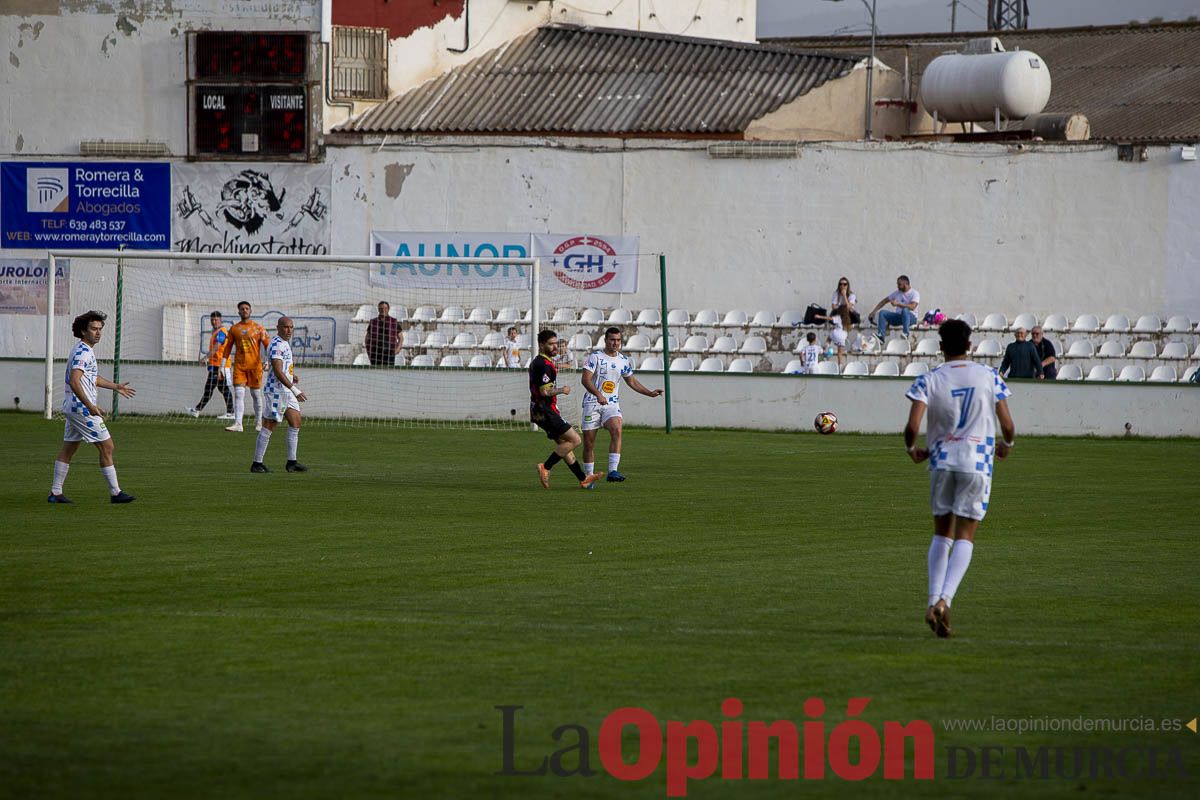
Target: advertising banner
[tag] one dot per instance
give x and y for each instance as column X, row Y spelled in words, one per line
column 23, row 286
column 85, row 205
column 587, row 262
column 242, row 208
column 452, row 245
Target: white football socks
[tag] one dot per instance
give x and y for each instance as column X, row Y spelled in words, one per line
column 939, row 554
column 60, row 476
column 960, row 559
column 260, row 446
column 110, row 475
column 614, row 460
column 257, row 396
column 588, row 469
column 293, row 441
column 239, row 404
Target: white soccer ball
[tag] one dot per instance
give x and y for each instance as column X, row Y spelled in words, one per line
column 826, row 422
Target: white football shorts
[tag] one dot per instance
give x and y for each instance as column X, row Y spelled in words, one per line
column 964, row 494
column 838, row 335
column 83, row 428
column 596, row 416
column 278, row 404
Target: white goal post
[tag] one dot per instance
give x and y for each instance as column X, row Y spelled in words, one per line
column 181, row 297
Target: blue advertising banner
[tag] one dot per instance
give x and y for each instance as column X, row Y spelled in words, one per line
column 85, row 205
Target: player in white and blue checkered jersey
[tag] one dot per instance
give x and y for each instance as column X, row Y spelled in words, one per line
column 964, row 400
column 282, row 398
column 83, row 419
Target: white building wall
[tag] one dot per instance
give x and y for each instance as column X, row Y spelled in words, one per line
column 978, row 228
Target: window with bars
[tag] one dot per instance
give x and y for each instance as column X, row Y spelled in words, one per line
column 360, row 63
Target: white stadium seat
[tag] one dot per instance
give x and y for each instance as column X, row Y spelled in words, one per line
column 1026, row 321
column 649, row 317
column 1178, row 324
column 620, row 316
column 365, row 313
column 652, row 364
column 1163, row 373
column 1132, row 373
column 1116, row 323
column 591, row 316
column 361, row 360
column 790, row 319
column 434, row 340
column 523, row 341
column 1111, row 349
column 480, row 315
column 706, row 318
column 678, row 316
column 1100, row 372
column 1147, row 323
column 480, row 361
column 711, row 364
column 657, row 347
column 994, row 322
column 451, row 361
column 413, row 339
column 753, row 346
column 1056, row 323
column 724, row 344
column 492, row 341
column 915, row 368
column 741, row 365
column 1143, row 350
column 1070, row 372
column 826, row 368
column 399, row 360
column 793, row 367
column 452, row 314
column 1086, row 323
column 464, row 341
column 580, row 342
column 989, row 348
column 424, row 314
column 1080, row 349
column 696, row 343
column 638, row 343
column 421, row 361
column 398, row 313
column 896, row 346
column 1174, row 351
column 1186, row 377
column 735, row 319
column 682, row 364
column 886, row 369
column 967, row 318
column 856, row 368
column 928, row 347
column 563, row 316
column 763, row 319
column 507, row 316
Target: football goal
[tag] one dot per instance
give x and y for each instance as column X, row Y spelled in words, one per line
column 448, row 349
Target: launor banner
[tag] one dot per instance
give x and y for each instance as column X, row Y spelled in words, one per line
column 588, row 262
column 251, row 208
column 85, row 205
column 23, row 285
column 456, row 244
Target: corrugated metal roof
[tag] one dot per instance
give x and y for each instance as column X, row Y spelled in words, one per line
column 1133, row 82
column 575, row 80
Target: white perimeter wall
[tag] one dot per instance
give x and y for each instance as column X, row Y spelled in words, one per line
column 868, row 405
column 978, row 228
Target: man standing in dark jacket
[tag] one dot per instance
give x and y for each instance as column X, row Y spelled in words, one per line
column 1046, row 353
column 1021, row 359
column 383, row 337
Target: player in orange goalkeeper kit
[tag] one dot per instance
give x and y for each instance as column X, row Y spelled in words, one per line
column 250, row 339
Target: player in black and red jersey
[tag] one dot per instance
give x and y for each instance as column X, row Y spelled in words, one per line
column 543, row 412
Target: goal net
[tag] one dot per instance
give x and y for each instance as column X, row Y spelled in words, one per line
column 451, row 319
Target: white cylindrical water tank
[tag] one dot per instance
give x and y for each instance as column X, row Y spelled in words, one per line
column 968, row 88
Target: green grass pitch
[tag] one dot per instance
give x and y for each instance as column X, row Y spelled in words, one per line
column 348, row 632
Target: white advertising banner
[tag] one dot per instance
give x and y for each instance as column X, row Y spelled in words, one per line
column 250, row 208
column 456, row 244
column 588, row 262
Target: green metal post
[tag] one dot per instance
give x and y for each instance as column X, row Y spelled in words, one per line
column 116, row 398
column 662, row 289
